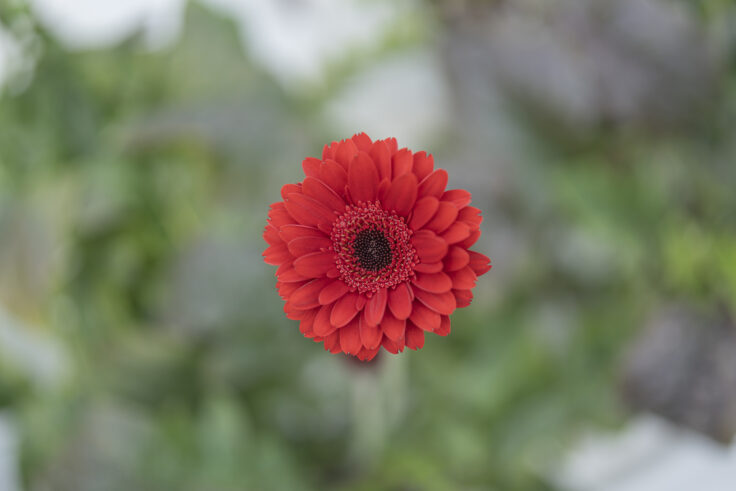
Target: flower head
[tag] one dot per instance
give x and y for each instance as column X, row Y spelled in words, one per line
column 371, row 249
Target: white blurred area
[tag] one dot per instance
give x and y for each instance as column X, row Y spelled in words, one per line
column 44, row 363
column 9, row 479
column 37, row 356
column 91, row 23
column 405, row 96
column 649, row 454
column 294, row 40
column 10, row 53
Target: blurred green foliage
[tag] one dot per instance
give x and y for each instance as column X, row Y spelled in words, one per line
column 134, row 185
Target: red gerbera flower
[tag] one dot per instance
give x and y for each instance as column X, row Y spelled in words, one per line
column 372, row 251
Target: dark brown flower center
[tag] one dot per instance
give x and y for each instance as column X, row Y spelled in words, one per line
column 372, row 250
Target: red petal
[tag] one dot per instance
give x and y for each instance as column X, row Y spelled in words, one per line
column 346, row 150
column 393, row 327
column 424, row 210
column 423, row 165
column 445, row 216
column 271, row 235
column 435, row 283
column 344, row 310
column 305, row 245
column 314, row 265
column 414, row 337
column 402, row 194
column 286, row 289
column 334, row 176
column 470, row 240
column 471, row 216
column 383, row 188
column 314, row 188
column 308, row 211
column 370, row 335
column 336, row 349
column 362, row 141
column 306, row 326
column 399, row 301
column 434, row 184
column 392, row 346
column 294, row 313
column 463, row 297
column 284, row 267
column 287, row 189
column 311, row 166
column 479, row 263
column 458, row 197
column 276, row 254
column 362, row 178
column 278, row 216
column 463, row 279
column 442, row 303
column 375, row 307
column 366, row 354
column 382, row 157
column 402, row 163
column 291, row 276
column 306, row 296
column 328, row 151
column 429, row 267
column 332, row 341
column 291, row 232
column 332, row 292
column 360, row 303
column 429, row 247
column 456, row 258
column 309, row 315
column 425, row 318
column 444, row 328
column 322, row 325
column 350, row 338
column 457, row 232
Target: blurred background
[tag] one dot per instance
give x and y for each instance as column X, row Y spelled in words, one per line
column 142, row 343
